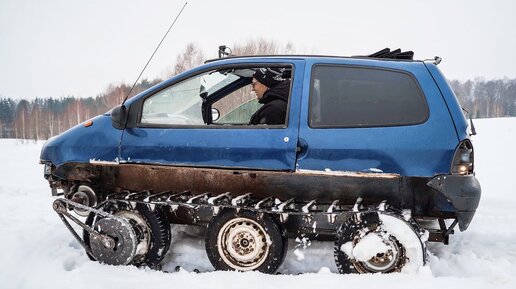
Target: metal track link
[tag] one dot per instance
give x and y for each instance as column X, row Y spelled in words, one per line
column 268, row 205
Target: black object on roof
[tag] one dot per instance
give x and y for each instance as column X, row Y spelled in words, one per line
column 386, row 53
column 394, row 54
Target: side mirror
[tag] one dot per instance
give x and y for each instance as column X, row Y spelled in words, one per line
column 215, row 114
column 119, row 116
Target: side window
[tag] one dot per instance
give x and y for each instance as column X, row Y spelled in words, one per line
column 181, row 104
column 233, row 96
column 237, row 107
column 343, row 96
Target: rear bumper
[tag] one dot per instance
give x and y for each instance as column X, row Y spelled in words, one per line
column 463, row 192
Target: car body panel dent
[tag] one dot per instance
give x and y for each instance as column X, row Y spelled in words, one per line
column 99, row 141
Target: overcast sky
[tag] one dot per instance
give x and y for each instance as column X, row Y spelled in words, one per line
column 57, row 48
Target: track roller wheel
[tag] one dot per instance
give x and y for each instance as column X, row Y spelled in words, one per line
column 378, row 243
column 243, row 241
column 145, row 243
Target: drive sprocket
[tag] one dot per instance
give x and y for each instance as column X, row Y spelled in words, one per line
column 119, row 252
column 151, row 231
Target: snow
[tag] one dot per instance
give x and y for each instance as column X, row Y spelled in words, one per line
column 299, row 255
column 38, row 252
column 408, row 238
column 372, row 243
column 367, row 248
column 100, row 162
column 367, row 173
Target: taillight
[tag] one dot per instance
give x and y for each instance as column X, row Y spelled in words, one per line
column 463, row 159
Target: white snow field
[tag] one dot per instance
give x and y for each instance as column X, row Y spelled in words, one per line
column 37, row 251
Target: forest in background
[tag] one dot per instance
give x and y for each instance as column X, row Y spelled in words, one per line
column 43, row 118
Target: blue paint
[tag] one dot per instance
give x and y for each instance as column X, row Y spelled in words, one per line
column 416, row 150
column 82, row 144
column 245, row 147
column 461, row 124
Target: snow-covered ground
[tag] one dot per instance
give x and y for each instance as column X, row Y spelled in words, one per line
column 36, row 250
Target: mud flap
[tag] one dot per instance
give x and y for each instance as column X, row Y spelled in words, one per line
column 463, row 192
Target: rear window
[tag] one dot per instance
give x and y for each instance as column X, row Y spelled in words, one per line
column 344, row 96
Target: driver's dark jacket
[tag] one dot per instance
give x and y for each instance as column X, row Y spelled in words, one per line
column 274, row 109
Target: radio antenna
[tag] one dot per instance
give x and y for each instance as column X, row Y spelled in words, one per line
column 134, row 84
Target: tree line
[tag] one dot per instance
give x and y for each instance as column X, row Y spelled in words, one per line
column 487, row 98
column 43, row 118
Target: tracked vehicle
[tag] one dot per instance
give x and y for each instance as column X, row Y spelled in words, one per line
column 375, row 153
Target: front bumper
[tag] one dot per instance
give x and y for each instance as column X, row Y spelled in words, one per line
column 463, row 192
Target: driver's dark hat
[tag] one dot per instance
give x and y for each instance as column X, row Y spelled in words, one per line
column 269, row 77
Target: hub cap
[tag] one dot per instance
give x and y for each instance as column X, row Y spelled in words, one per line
column 382, row 262
column 242, row 244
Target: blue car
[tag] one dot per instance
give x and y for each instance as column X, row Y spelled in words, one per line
column 362, row 150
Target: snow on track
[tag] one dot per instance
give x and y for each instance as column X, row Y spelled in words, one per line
column 36, row 250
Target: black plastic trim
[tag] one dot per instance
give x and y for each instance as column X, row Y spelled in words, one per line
column 304, row 56
column 463, row 192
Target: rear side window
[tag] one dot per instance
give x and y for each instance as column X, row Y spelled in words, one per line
column 344, row 96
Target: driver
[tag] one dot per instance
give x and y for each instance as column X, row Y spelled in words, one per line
column 272, row 91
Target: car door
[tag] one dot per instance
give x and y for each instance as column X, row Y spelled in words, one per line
column 184, row 139
column 376, row 118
